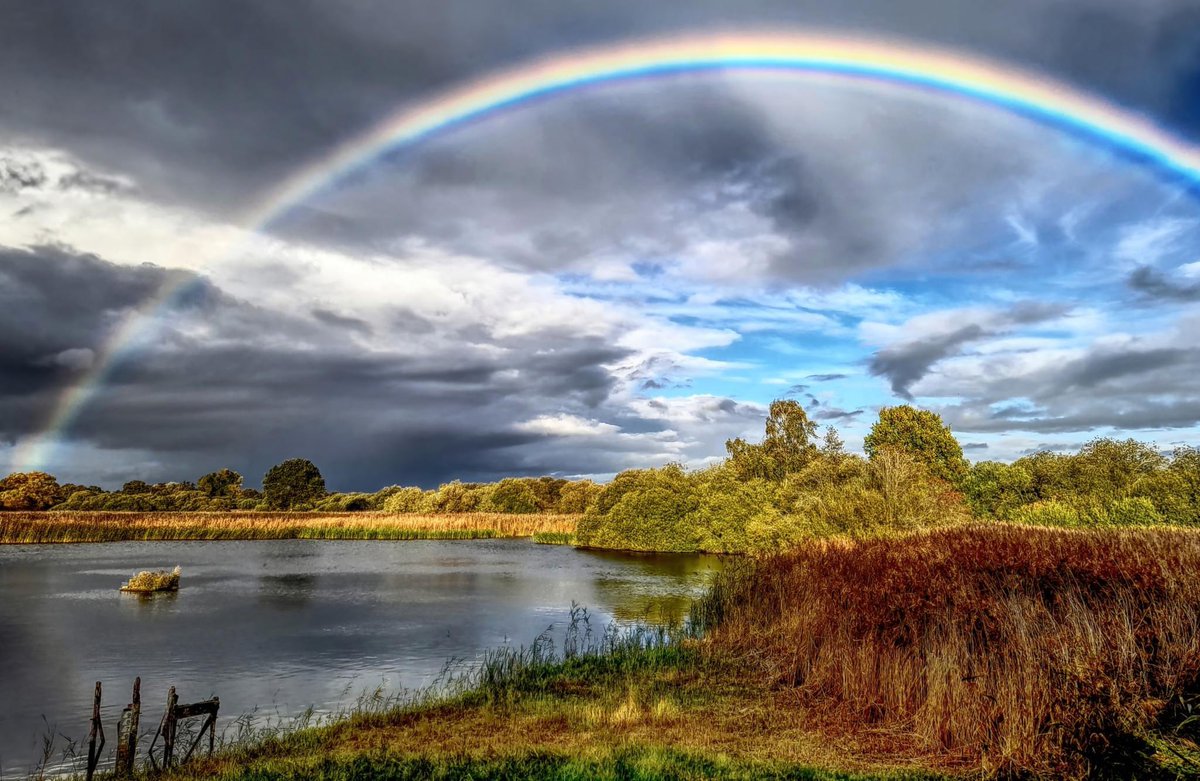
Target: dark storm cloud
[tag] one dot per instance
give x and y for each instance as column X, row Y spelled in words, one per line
column 1133, row 387
column 219, row 382
column 825, row 377
column 906, row 362
column 1158, row 287
column 832, row 413
column 342, row 321
column 87, row 180
column 208, row 103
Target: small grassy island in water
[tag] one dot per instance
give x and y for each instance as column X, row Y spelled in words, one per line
column 147, row 582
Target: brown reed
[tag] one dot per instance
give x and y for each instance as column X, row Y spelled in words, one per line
column 1018, row 650
column 69, row 527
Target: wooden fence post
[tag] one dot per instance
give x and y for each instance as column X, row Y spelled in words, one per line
column 97, row 725
column 127, row 731
column 169, row 723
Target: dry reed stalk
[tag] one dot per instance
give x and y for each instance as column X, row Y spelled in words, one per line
column 1019, row 649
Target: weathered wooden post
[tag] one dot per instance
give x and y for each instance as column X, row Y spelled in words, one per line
column 168, row 728
column 127, row 731
column 212, row 726
column 97, row 725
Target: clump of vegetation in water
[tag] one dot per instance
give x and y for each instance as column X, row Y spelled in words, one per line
column 147, row 582
column 554, row 538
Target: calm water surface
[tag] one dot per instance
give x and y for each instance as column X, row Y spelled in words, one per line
column 287, row 624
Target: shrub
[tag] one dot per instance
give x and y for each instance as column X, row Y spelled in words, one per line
column 728, row 508
column 405, row 500
column 642, row 509
column 995, row 490
column 575, row 496
column 1048, row 513
column 1133, row 511
column 511, row 495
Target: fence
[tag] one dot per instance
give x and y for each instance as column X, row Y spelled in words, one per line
column 168, row 730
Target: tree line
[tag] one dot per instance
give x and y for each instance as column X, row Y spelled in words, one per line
column 296, row 484
column 797, row 482
column 793, row 485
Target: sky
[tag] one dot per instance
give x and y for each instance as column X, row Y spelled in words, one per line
column 608, row 278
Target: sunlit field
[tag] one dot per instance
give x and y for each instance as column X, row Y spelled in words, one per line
column 70, row 527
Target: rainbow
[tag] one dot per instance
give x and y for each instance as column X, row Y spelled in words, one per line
column 947, row 72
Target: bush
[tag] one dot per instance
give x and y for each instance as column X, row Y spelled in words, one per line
column 1048, row 513
column 405, row 500
column 511, row 495
column 576, row 496
column 1133, row 511
column 729, row 508
column 642, row 509
column 995, row 490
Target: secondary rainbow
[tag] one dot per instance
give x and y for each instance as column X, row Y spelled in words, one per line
column 905, row 65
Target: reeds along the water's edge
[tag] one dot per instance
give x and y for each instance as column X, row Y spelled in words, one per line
column 1016, row 649
column 68, row 527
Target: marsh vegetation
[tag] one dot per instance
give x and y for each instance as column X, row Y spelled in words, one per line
column 70, row 527
column 1003, row 651
column 903, row 611
column 150, row 582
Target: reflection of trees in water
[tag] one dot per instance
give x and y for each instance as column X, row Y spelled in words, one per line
column 290, row 590
column 654, row 587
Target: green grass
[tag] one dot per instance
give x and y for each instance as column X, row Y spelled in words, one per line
column 634, row 763
column 647, row 703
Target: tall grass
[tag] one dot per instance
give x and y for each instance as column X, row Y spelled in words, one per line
column 1014, row 649
column 67, row 527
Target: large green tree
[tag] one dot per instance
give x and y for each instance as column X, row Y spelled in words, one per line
column 787, row 446
column 921, row 434
column 223, row 482
column 30, row 491
column 293, row 483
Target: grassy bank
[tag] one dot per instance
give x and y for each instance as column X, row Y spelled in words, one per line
column 69, row 527
column 648, row 705
column 1001, row 651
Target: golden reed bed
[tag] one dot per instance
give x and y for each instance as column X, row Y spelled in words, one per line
column 66, row 527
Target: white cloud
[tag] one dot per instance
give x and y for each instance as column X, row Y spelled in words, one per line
column 566, row 425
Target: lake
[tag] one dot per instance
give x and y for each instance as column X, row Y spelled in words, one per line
column 283, row 625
